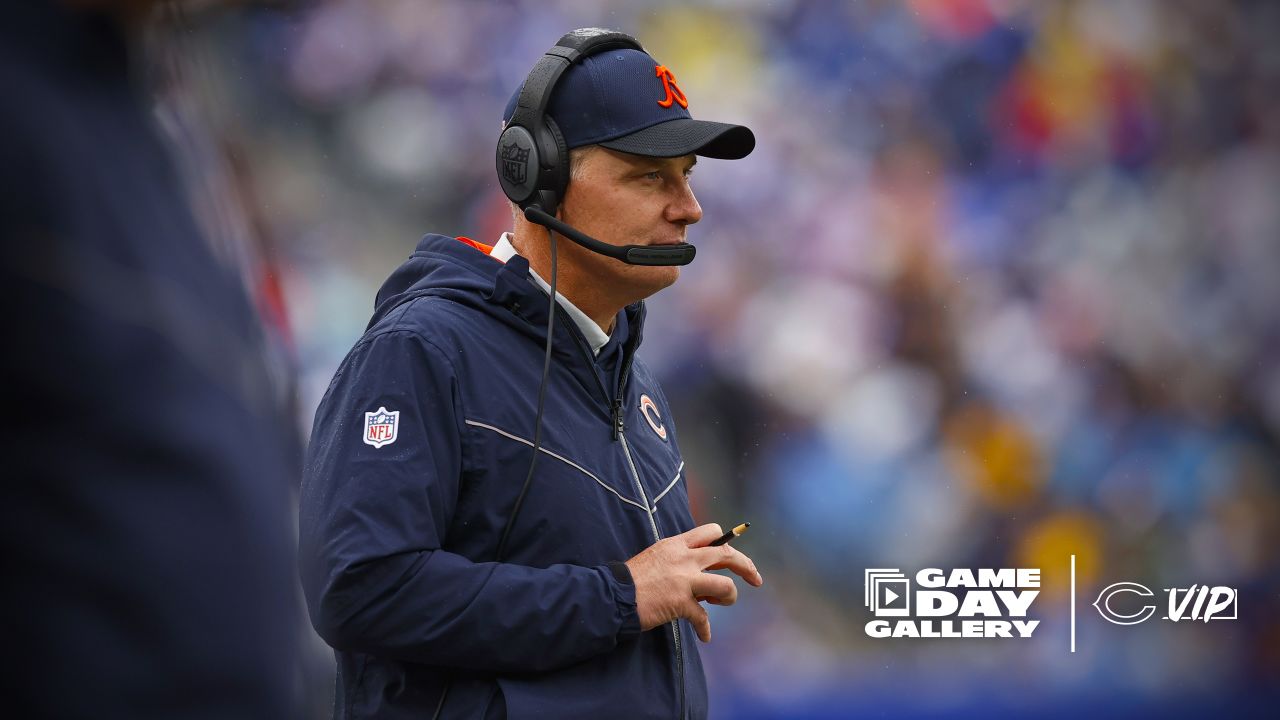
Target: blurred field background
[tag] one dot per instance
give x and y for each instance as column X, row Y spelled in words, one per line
column 998, row 286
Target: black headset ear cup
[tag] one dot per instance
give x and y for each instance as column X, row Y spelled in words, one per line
column 554, row 179
column 519, row 170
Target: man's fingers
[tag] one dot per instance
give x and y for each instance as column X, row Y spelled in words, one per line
column 701, row 622
column 702, row 534
column 727, row 558
column 717, row 589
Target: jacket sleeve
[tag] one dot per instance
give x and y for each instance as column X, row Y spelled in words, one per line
column 373, row 521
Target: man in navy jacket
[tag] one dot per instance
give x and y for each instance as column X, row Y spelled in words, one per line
column 424, row 437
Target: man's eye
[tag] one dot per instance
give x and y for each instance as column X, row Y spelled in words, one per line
column 653, row 175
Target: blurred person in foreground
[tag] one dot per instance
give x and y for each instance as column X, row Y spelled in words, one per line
column 467, row 554
column 145, row 511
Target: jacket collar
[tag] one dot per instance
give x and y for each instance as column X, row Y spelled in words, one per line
column 514, row 289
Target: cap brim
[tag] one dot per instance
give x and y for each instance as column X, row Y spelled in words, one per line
column 684, row 136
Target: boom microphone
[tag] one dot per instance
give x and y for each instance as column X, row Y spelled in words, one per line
column 678, row 254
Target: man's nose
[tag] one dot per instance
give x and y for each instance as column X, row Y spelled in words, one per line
column 684, row 208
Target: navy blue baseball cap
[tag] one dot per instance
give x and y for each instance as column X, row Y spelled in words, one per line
column 625, row 100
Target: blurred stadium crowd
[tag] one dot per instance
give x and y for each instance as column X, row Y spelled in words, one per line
column 996, row 288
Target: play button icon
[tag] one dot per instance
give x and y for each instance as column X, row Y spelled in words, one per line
column 893, row 597
column 887, row 592
column 890, row 598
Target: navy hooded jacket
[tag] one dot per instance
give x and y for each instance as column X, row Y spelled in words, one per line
column 419, row 451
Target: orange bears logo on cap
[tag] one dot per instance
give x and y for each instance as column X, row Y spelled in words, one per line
column 674, row 93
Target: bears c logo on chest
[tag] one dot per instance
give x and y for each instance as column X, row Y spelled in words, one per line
column 650, row 411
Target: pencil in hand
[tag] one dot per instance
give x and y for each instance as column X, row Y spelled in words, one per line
column 730, row 535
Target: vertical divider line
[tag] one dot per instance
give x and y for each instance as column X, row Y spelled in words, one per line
column 1073, row 603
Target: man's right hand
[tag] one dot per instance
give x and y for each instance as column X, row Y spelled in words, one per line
column 670, row 578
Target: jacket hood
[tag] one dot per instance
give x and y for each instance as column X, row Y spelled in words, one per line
column 460, row 270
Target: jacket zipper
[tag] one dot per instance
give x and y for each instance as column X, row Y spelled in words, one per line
column 616, row 416
column 618, row 434
column 675, row 624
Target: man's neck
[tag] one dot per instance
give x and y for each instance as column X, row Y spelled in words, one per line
column 570, row 282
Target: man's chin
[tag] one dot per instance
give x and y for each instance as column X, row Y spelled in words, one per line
column 659, row 277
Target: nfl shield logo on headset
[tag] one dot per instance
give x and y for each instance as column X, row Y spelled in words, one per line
column 515, row 163
column 381, row 427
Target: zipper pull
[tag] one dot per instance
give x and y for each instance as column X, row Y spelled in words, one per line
column 617, row 418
